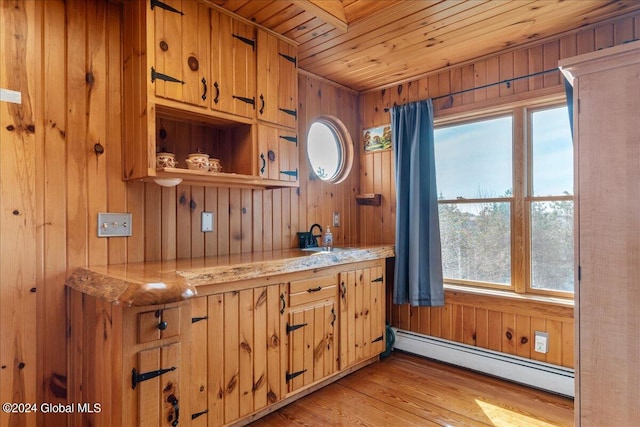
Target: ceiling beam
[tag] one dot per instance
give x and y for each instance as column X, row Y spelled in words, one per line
column 329, row 11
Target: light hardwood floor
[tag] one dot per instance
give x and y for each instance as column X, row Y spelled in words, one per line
column 407, row 390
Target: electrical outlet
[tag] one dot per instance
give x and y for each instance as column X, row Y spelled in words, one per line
column 336, row 219
column 541, row 342
column 114, row 224
column 207, row 222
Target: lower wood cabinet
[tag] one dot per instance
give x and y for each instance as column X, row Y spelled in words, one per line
column 362, row 322
column 238, row 357
column 129, row 360
column 226, row 357
column 311, row 326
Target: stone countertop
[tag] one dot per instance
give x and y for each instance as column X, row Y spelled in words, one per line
column 162, row 282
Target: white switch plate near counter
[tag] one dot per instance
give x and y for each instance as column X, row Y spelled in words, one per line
column 336, row 219
column 207, row 222
column 114, row 224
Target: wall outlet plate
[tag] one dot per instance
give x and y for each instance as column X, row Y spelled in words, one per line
column 114, row 224
column 336, row 219
column 541, row 342
column 207, row 222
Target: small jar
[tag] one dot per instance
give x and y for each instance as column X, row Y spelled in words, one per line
column 166, row 160
column 215, row 165
column 198, row 161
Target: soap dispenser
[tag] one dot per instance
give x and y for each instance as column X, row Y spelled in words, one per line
column 327, row 239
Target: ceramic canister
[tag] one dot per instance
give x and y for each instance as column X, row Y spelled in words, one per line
column 198, row 161
column 166, row 160
column 215, row 165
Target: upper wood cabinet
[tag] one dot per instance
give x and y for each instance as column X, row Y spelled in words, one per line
column 190, row 86
column 181, row 69
column 278, row 153
column 233, row 56
column 277, row 80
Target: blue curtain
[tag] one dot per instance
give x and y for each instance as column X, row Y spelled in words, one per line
column 568, row 89
column 418, row 268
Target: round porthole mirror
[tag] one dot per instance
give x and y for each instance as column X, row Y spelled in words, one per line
column 329, row 149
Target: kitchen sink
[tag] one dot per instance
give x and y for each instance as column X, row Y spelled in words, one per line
column 320, row 249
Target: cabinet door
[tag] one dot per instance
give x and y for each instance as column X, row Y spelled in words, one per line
column 277, row 80
column 287, row 85
column 278, row 153
column 247, row 357
column 233, row 56
column 198, row 385
column 159, row 396
column 181, row 69
column 361, row 315
column 311, row 344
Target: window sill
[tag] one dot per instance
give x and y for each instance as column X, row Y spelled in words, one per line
column 508, row 301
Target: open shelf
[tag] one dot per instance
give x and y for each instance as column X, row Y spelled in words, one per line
column 219, row 179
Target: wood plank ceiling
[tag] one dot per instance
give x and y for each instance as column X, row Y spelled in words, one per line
column 368, row 44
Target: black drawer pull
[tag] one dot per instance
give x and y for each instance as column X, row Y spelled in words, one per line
column 319, row 288
column 138, row 378
column 380, row 338
column 379, row 279
column 198, row 319
column 162, row 325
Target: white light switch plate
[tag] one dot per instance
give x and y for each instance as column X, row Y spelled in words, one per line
column 207, row 222
column 114, row 224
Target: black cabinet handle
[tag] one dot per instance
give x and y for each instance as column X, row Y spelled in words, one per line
column 264, row 163
column 162, row 325
column 284, row 303
column 217, row 97
column 204, row 94
column 176, row 409
column 333, row 312
column 262, row 104
column 319, row 288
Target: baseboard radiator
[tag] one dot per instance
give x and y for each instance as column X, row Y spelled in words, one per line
column 545, row 376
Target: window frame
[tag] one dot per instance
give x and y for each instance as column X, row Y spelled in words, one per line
column 521, row 200
column 345, row 146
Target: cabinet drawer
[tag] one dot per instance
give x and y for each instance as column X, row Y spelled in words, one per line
column 158, row 324
column 309, row 290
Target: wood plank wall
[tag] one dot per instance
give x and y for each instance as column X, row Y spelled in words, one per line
column 66, row 59
column 463, row 319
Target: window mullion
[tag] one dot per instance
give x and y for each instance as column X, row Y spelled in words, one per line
column 518, row 215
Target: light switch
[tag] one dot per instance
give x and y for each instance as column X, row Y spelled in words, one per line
column 207, row 222
column 114, row 224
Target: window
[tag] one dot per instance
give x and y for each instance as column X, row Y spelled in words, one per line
column 550, row 202
column 506, row 200
column 329, row 149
